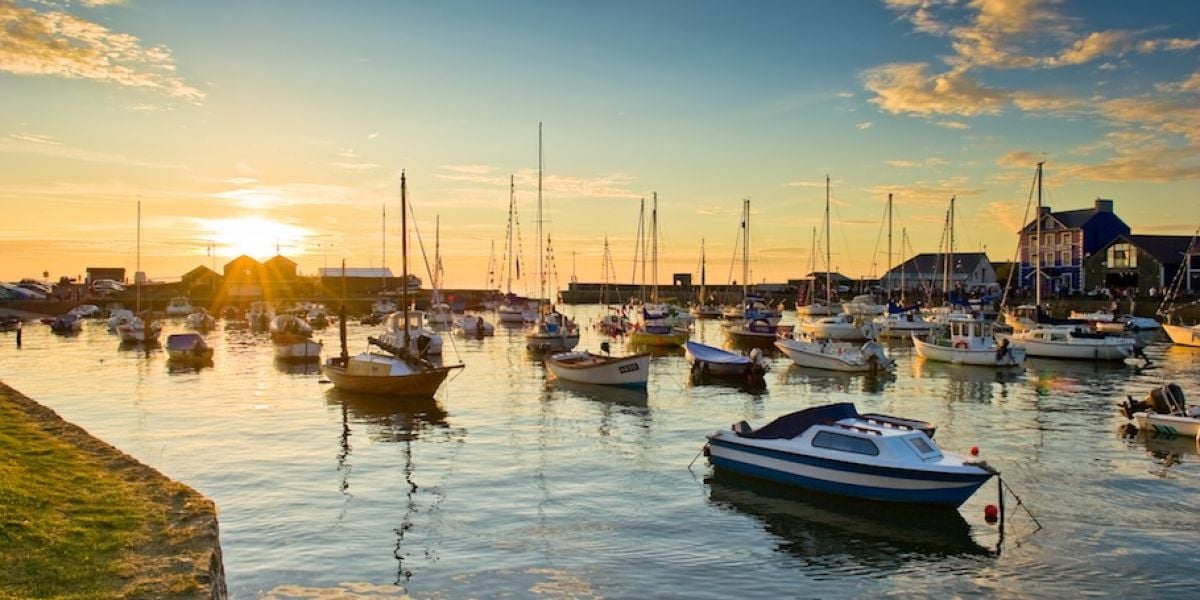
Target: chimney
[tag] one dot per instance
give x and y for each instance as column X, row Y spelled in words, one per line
column 1046, row 209
column 1104, row 206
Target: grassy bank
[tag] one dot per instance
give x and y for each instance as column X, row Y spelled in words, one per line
column 80, row 519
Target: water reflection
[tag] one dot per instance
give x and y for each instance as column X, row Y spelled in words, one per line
column 1168, row 451
column 388, row 420
column 968, row 383
column 822, row 380
column 841, row 535
column 756, row 386
column 298, row 367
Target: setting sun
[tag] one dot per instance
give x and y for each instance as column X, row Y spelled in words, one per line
column 254, row 236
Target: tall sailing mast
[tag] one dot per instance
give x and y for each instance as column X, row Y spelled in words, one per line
column 541, row 249
column 745, row 253
column 654, row 248
column 1038, row 238
column 888, row 291
column 828, row 257
column 404, row 255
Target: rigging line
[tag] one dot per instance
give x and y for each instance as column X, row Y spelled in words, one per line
column 736, row 250
column 878, row 240
column 845, row 238
column 425, row 259
column 1016, row 265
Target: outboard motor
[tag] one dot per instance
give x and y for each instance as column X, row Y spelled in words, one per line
column 875, row 354
column 1166, row 400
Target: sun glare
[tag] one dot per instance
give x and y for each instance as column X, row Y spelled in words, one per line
column 255, row 237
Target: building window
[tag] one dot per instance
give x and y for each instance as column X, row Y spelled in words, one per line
column 1066, row 239
column 1122, row 256
column 1062, row 259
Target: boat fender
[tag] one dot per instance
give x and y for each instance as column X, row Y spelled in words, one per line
column 960, row 344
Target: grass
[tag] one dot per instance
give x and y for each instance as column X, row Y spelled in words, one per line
column 79, row 519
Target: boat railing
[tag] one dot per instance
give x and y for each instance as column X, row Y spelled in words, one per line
column 867, row 430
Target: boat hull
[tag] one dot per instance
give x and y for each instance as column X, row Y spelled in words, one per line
column 1183, row 335
column 868, row 482
column 422, row 385
column 715, row 362
column 627, row 371
column 306, row 350
column 1172, row 425
column 1073, row 351
column 661, row 340
column 812, row 356
column 983, row 357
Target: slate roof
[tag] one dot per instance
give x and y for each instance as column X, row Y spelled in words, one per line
column 933, row 262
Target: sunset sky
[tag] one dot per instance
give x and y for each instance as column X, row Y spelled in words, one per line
column 255, row 125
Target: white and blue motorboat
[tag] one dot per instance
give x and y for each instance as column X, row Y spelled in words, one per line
column 717, row 362
column 836, row 450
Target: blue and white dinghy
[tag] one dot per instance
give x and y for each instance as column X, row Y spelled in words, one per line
column 717, row 362
column 836, row 450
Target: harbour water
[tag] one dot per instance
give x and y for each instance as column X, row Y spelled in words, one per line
column 508, row 484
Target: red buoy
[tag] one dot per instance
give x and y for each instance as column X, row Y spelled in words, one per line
column 974, row 450
column 991, row 513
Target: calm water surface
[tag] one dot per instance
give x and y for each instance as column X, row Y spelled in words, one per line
column 509, row 485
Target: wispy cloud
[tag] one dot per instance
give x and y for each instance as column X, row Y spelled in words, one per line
column 354, row 166
column 909, row 88
column 864, row 125
column 36, row 138
column 57, row 44
column 610, row 186
column 948, row 124
column 45, row 146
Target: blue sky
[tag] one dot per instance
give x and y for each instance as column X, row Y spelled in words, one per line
column 265, row 124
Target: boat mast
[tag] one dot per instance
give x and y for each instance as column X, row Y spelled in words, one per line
column 1038, row 238
column 137, row 274
column 703, row 269
column 404, row 253
column 541, row 249
column 512, row 208
column 746, row 251
column 812, row 270
column 950, row 263
column 383, row 265
column 903, row 240
column 889, row 262
column 641, row 246
column 654, row 249
column 828, row 258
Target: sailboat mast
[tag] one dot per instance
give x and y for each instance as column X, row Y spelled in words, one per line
column 903, row 240
column 137, row 273
column 541, row 249
column 654, row 248
column 642, row 249
column 812, row 269
column 889, row 262
column 383, row 238
column 745, row 251
column 404, row 253
column 703, row 270
column 1038, row 238
column 828, row 258
column 512, row 208
column 950, row 259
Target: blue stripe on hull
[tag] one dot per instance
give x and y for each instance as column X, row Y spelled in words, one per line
column 852, row 467
column 941, row 497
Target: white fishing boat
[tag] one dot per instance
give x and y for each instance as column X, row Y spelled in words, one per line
column 969, row 341
column 66, row 324
column 473, row 326
column 614, row 323
column 710, row 361
column 836, row 450
column 398, row 372
column 188, row 349
column 179, row 306
column 410, row 325
column 1071, row 342
column 836, row 356
column 600, row 369
column 259, row 315
column 1100, row 320
column 1165, row 412
column 845, row 327
column 118, row 317
column 863, row 305
column 291, row 337
column 903, row 325
column 140, row 330
column 200, row 320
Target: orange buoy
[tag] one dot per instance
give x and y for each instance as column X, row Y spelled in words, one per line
column 974, row 450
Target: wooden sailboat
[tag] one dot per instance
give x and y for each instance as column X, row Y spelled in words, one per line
column 553, row 331
column 396, row 371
